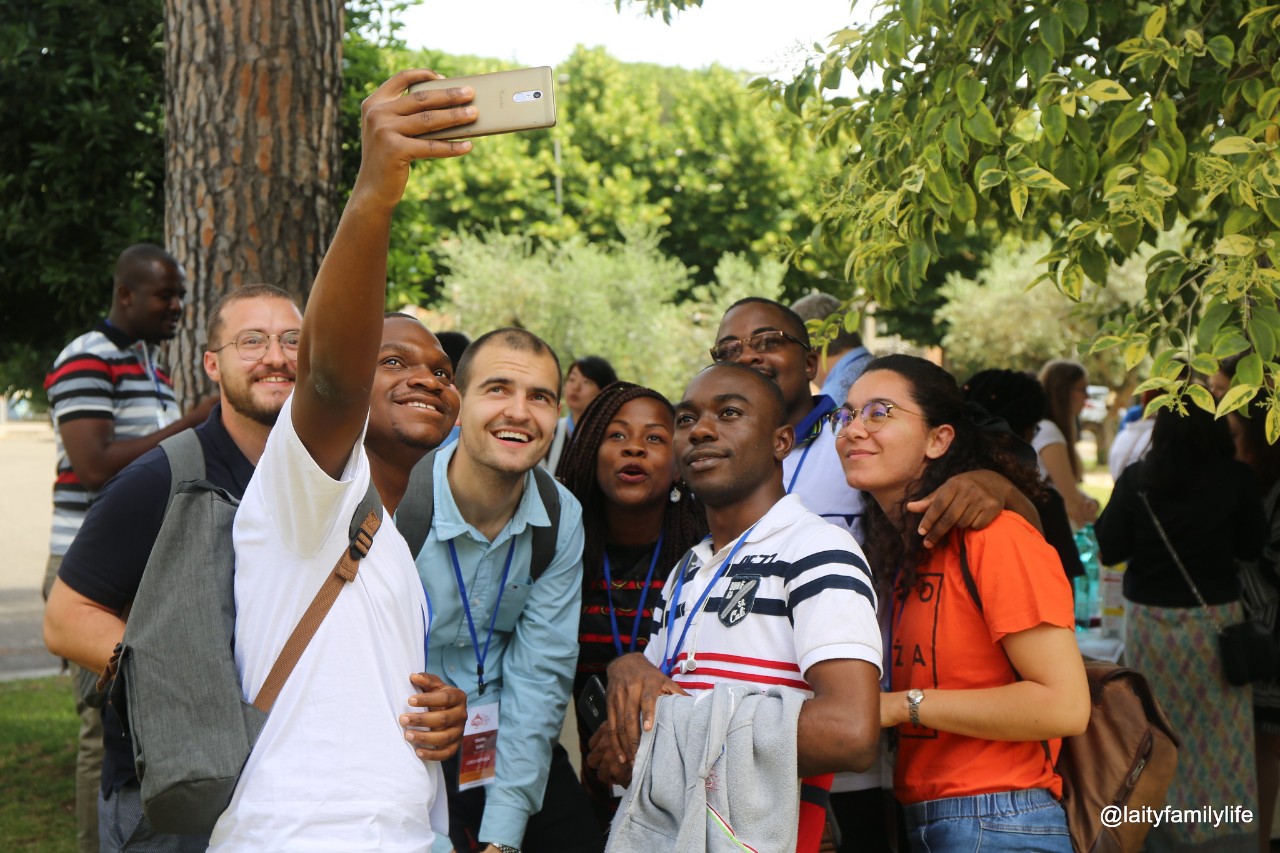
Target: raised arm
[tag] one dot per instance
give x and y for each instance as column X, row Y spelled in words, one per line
column 342, row 326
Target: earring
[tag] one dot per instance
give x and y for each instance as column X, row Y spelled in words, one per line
column 675, row 493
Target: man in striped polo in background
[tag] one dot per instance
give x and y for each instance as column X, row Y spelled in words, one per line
column 110, row 403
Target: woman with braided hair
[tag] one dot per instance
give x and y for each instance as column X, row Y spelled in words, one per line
column 638, row 522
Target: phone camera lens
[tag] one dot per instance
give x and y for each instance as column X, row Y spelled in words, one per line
column 537, row 94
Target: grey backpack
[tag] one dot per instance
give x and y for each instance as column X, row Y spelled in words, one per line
column 173, row 679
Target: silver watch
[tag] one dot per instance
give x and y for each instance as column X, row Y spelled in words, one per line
column 505, row 848
column 914, row 697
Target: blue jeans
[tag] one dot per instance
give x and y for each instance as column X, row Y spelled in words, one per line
column 1013, row 821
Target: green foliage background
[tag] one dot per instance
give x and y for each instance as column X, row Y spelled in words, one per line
column 1102, row 126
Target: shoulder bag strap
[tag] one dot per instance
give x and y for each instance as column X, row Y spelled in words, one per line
column 417, row 507
column 186, row 460
column 1177, row 561
column 544, row 538
column 343, row 573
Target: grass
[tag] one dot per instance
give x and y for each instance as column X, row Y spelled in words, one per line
column 38, row 730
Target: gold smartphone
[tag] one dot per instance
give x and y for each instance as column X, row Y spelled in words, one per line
column 507, row 101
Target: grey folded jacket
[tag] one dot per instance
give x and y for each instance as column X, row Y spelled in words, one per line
column 716, row 773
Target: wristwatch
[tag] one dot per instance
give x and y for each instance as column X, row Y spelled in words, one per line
column 914, row 697
column 504, row 848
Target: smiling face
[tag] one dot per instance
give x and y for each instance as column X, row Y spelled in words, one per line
column 730, row 436
column 790, row 365
column 414, row 403
column 256, row 389
column 152, row 306
column 635, row 466
column 509, row 408
column 887, row 461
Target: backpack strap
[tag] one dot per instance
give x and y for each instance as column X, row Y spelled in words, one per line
column 418, row 505
column 544, row 538
column 972, row 586
column 417, row 508
column 186, row 460
column 364, row 524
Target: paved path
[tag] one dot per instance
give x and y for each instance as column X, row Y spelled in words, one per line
column 26, row 472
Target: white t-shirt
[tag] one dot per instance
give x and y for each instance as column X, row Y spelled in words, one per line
column 818, row 478
column 797, row 593
column 1130, row 445
column 1047, row 433
column 331, row 770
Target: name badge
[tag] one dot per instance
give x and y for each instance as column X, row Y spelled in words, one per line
column 478, row 762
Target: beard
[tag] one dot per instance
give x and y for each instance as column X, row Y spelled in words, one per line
column 239, row 396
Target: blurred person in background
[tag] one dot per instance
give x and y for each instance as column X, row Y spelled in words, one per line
column 1066, row 387
column 584, row 380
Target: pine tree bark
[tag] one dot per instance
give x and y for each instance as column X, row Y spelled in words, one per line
column 252, row 143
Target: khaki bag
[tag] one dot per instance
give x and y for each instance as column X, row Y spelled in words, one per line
column 1125, row 759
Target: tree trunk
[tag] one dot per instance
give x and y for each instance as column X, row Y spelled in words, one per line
column 252, row 105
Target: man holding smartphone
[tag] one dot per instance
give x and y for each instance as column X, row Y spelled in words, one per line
column 331, row 769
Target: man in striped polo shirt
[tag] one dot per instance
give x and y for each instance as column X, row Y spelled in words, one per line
column 775, row 597
column 111, row 403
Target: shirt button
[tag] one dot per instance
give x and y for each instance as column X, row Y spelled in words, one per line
column 475, row 602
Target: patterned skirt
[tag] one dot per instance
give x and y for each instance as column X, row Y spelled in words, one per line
column 1176, row 648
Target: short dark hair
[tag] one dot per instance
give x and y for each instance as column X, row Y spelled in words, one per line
column 1182, row 445
column 133, row 267
column 250, row 291
column 595, row 368
column 820, row 306
column 790, row 317
column 454, row 345
column 521, row 340
column 1017, row 397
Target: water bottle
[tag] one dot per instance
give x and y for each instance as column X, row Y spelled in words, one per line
column 1087, row 592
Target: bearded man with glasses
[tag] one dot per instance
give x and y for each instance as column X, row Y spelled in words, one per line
column 252, row 356
column 772, row 340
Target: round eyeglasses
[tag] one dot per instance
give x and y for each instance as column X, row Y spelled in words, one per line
column 874, row 416
column 253, row 345
column 761, row 342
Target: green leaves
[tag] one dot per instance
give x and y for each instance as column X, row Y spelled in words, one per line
column 1234, row 145
column 1236, row 245
column 1222, row 49
column 970, row 89
column 1105, row 90
column 991, row 178
column 1054, row 121
column 1039, row 179
column 1155, row 23
column 981, row 125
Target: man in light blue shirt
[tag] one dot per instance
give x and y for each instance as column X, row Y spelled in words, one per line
column 498, row 632
column 846, row 357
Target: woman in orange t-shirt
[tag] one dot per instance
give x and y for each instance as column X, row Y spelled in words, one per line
column 972, row 766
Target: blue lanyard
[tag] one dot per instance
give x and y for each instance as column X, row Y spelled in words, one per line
column 811, row 427
column 644, row 593
column 466, row 609
column 892, row 624
column 669, row 656
column 795, row 475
